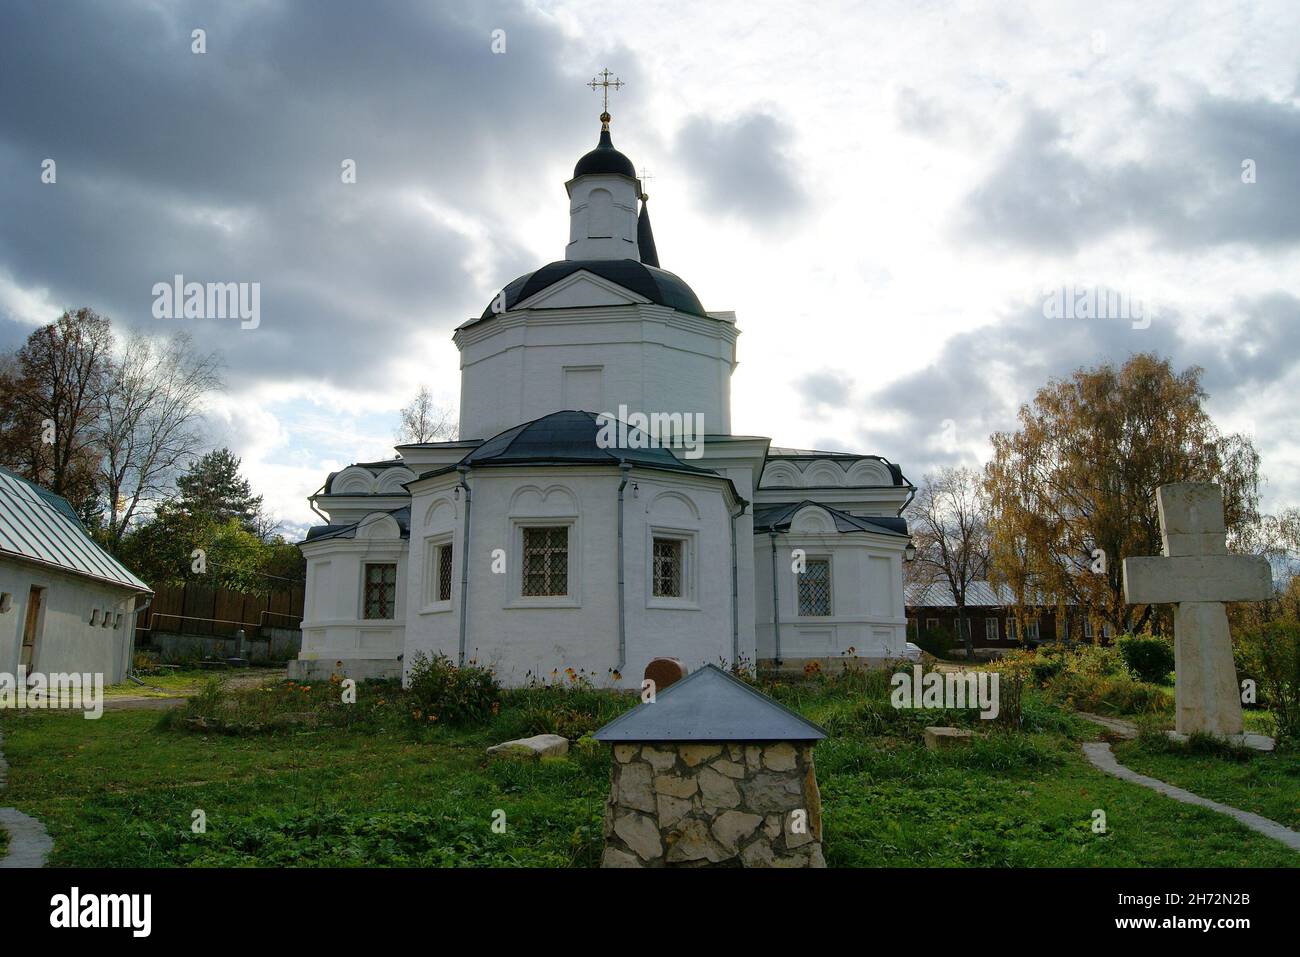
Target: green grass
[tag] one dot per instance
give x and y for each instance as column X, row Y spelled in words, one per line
column 179, row 683
column 1266, row 783
column 384, row 790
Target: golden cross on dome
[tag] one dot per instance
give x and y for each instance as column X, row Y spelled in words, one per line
column 645, row 176
column 603, row 84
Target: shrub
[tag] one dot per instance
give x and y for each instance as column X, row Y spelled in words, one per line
column 936, row 641
column 1116, row 694
column 1271, row 652
column 568, row 704
column 437, row 688
column 145, row 661
column 1096, row 661
column 1149, row 657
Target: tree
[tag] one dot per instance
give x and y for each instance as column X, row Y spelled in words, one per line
column 949, row 522
column 1276, row 538
column 426, row 421
column 161, row 550
column 1072, row 491
column 212, row 488
column 150, row 422
column 51, row 395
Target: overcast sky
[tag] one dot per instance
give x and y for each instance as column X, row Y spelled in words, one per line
column 884, row 193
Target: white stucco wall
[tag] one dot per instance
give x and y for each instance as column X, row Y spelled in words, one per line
column 602, row 217
column 333, row 625
column 518, row 635
column 67, row 640
column 646, row 357
column 867, row 602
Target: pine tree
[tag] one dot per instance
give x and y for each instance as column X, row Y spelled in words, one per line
column 213, row 489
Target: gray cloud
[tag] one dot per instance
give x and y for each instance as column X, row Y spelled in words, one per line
column 1042, row 195
column 919, row 114
column 742, row 166
column 225, row 166
column 824, row 390
column 979, row 378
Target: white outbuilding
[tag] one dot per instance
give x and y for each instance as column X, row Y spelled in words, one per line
column 599, row 512
column 66, row 605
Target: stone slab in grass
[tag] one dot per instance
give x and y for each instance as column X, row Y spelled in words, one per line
column 1260, row 742
column 938, row 738
column 530, row 749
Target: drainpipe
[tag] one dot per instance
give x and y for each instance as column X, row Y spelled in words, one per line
column 130, row 645
column 776, row 601
column 464, row 564
column 311, row 502
column 735, row 591
column 623, row 469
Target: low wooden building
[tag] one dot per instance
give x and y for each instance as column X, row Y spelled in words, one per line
column 991, row 618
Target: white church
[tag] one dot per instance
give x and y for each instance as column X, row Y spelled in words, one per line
column 599, row 512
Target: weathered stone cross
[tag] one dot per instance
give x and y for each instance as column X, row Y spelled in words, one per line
column 1197, row 575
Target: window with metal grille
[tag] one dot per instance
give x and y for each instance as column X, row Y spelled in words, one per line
column 546, row 560
column 381, row 591
column 668, row 567
column 815, row 588
column 444, row 572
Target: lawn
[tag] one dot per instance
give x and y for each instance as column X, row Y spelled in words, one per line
column 179, row 682
column 386, row 790
column 1266, row 783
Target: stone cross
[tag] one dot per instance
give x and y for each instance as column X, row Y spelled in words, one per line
column 1197, row 575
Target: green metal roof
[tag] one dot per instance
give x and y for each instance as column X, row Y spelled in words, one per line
column 38, row 526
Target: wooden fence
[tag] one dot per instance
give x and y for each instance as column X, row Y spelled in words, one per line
column 192, row 609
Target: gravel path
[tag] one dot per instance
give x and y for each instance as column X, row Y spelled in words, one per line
column 1099, row 753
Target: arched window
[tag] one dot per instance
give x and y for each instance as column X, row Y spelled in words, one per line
column 600, row 214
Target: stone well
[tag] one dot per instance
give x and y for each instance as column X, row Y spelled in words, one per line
column 712, row 773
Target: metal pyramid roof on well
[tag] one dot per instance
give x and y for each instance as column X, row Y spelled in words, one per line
column 571, row 437
column 38, row 526
column 710, row 705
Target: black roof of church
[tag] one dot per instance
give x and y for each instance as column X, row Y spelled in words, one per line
column 605, row 159
column 570, row 437
column 657, row 285
column 349, row 529
column 778, row 516
column 645, row 237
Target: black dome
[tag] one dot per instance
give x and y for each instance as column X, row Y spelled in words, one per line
column 605, row 159
column 657, row 285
